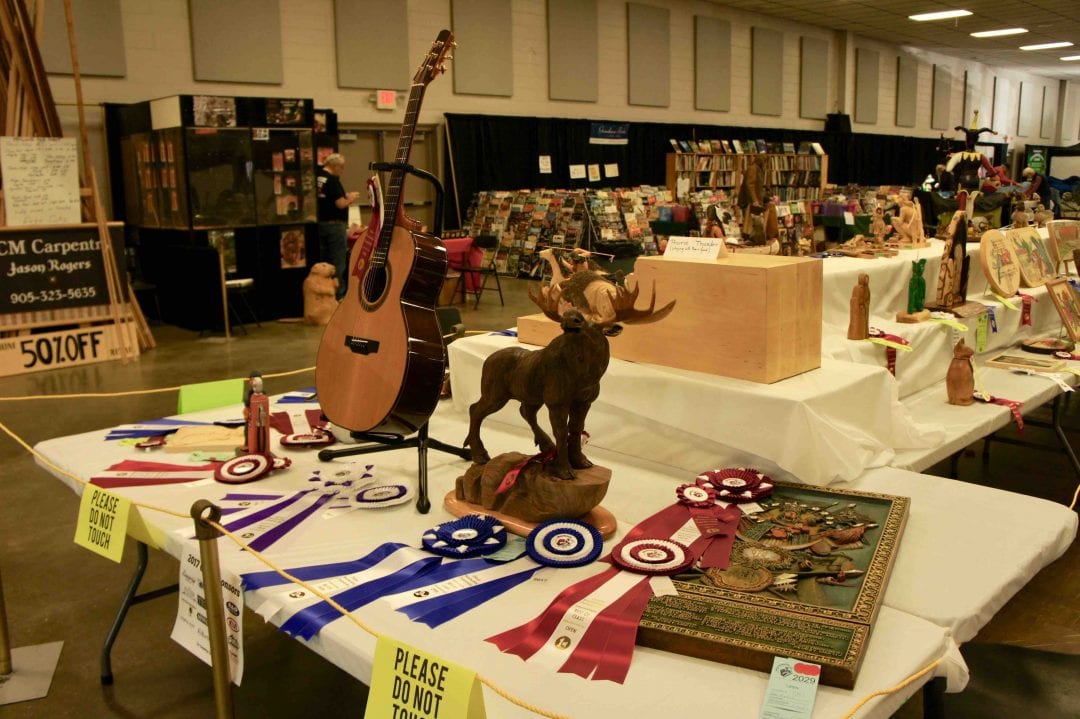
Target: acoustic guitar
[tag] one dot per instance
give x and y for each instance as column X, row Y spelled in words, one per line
column 381, row 359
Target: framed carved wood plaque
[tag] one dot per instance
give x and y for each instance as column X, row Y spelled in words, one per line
column 999, row 263
column 806, row 577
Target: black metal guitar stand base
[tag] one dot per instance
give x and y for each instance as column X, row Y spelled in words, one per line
column 387, row 442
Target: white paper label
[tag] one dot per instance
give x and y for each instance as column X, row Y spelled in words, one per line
column 698, row 249
column 190, row 629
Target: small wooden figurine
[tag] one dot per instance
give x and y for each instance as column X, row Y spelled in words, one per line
column 256, row 417
column 859, row 321
column 877, row 227
column 960, row 378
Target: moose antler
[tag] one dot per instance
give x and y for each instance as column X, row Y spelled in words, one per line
column 624, row 307
column 547, row 301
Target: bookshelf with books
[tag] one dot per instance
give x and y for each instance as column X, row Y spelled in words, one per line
column 789, row 175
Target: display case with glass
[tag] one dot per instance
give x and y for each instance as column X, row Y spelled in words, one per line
column 220, row 177
column 284, row 167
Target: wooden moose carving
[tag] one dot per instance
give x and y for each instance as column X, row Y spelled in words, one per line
column 565, row 376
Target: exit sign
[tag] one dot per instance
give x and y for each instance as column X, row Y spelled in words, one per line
column 386, row 99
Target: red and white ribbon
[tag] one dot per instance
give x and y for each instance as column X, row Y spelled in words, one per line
column 1025, row 313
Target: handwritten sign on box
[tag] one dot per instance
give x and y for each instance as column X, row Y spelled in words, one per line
column 41, row 180
column 699, row 249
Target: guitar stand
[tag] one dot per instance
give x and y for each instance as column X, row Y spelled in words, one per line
column 387, row 442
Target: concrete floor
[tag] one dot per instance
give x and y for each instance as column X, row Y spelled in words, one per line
column 57, row 591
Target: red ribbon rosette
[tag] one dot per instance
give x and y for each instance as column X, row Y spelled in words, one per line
column 737, row 484
column 652, row 556
column 696, row 495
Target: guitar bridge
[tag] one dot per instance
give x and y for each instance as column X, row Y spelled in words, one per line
column 361, row 345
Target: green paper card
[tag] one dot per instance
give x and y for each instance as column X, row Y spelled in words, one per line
column 102, row 523
column 409, row 682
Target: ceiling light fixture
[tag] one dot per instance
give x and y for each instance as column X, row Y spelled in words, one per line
column 942, row 15
column 1000, row 33
column 1046, row 46
column 1070, row 58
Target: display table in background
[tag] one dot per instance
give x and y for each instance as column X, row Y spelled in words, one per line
column 953, row 570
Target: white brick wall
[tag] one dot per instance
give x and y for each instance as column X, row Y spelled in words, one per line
column 159, row 63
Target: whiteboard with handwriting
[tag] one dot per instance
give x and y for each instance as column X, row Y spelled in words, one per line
column 41, row 180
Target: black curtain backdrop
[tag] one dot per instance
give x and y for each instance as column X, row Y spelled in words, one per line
column 498, row 152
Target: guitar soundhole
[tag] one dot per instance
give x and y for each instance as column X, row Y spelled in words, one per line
column 375, row 283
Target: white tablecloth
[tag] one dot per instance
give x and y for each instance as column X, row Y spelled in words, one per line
column 820, row 427
column 948, row 579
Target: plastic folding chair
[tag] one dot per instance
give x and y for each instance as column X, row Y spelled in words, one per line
column 490, row 244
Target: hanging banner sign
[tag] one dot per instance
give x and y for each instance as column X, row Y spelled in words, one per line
column 609, row 133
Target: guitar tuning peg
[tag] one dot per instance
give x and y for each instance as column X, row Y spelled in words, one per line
column 441, row 69
column 449, row 57
column 453, row 43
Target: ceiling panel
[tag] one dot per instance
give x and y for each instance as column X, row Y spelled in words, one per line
column 1046, row 21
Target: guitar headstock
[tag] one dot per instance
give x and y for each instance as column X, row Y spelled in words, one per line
column 435, row 61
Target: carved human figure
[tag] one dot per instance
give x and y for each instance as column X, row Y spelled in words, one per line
column 877, row 226
column 917, row 287
column 960, row 377
column 908, row 224
column 859, row 320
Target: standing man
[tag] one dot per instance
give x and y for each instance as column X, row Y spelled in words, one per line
column 333, row 207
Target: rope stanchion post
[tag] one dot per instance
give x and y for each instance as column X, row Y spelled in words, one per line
column 5, row 640
column 204, row 512
column 27, row 672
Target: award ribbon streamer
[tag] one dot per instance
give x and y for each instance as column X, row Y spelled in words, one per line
column 309, row 621
column 589, row 629
column 313, row 572
column 139, row 473
column 437, row 603
column 380, row 572
column 891, row 343
column 1025, row 314
column 267, row 525
column 1012, row 405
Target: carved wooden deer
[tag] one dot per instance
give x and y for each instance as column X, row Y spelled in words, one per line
column 565, row 376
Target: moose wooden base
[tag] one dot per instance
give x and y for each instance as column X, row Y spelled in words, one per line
column 535, row 497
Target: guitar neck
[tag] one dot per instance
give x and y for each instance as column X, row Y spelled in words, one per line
column 397, row 177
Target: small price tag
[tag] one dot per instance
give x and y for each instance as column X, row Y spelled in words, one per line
column 849, row 219
column 792, row 689
column 409, row 682
column 102, row 523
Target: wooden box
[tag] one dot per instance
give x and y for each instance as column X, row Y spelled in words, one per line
column 753, row 317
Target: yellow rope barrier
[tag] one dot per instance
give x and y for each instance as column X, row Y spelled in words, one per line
column 354, row 619
column 134, row 392
column 893, row 689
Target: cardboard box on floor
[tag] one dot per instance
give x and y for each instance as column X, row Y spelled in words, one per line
column 753, row 317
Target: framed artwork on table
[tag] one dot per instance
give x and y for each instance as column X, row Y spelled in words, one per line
column 1068, row 306
column 999, row 263
column 1036, row 264
column 1065, row 239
